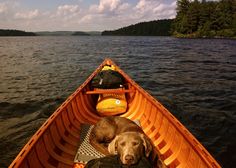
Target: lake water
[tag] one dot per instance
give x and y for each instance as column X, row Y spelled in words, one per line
column 194, row 78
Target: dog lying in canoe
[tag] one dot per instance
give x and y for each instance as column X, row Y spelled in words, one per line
column 118, row 135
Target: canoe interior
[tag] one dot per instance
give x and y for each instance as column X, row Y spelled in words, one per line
column 56, row 142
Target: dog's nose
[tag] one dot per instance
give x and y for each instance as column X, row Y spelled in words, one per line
column 129, row 158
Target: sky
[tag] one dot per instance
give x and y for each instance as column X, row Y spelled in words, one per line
column 81, row 15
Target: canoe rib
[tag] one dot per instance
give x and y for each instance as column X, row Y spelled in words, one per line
column 56, row 142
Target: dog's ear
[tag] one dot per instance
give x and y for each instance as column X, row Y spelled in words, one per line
column 147, row 145
column 112, row 147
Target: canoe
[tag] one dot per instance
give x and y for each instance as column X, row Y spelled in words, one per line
column 56, row 142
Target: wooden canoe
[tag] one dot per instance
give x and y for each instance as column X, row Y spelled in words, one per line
column 55, row 143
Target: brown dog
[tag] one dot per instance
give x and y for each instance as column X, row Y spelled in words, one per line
column 130, row 146
column 118, row 135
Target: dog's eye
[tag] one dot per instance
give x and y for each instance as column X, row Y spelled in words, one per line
column 134, row 143
column 122, row 144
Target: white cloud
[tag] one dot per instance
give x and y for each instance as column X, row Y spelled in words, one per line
column 165, row 10
column 109, row 6
column 146, row 10
column 86, row 18
column 65, row 10
column 27, row 15
column 3, row 8
column 123, row 7
column 64, row 13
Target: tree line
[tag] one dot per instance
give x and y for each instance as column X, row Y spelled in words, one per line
column 152, row 28
column 4, row 32
column 205, row 18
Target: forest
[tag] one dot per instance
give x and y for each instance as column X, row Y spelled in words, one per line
column 152, row 28
column 205, row 19
column 194, row 19
column 4, row 32
column 80, row 33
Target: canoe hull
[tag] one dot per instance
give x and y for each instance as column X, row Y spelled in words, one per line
column 56, row 142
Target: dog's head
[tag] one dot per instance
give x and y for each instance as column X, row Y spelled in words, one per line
column 130, row 146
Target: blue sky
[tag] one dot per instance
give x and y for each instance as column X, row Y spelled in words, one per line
column 81, row 15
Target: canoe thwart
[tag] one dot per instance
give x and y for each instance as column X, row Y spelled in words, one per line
column 110, row 91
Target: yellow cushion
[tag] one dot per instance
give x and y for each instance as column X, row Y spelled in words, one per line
column 112, row 67
column 111, row 104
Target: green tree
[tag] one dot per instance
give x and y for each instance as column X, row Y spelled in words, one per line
column 205, row 18
column 180, row 24
column 182, row 6
column 193, row 16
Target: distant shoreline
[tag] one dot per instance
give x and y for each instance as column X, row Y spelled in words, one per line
column 18, row 33
column 68, row 33
column 191, row 36
column 8, row 32
column 151, row 28
column 12, row 32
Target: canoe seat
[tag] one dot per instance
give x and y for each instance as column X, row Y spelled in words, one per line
column 85, row 150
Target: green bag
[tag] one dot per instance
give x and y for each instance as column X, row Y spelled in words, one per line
column 107, row 79
column 113, row 161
